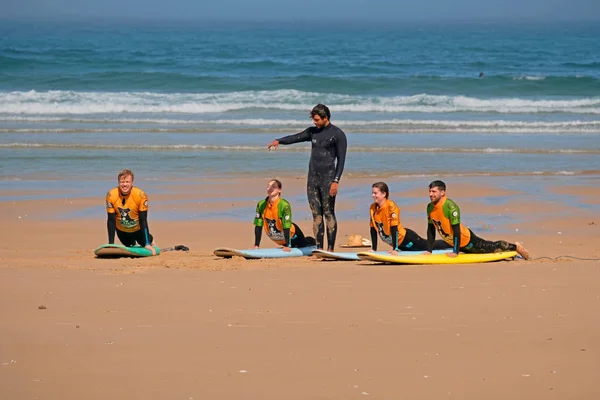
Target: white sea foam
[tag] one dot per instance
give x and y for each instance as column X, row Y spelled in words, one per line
column 529, row 78
column 397, row 125
column 53, row 103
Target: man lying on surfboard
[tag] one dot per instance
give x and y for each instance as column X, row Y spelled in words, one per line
column 127, row 208
column 443, row 215
column 275, row 215
column 385, row 221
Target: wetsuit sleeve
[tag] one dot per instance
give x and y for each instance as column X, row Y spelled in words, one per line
column 286, row 236
column 371, row 213
column 430, row 236
column 393, row 214
column 111, row 225
column 258, row 220
column 456, row 241
column 257, row 235
column 143, row 215
column 285, row 213
column 303, row 136
column 373, row 239
column 394, row 231
column 341, row 146
column 110, row 208
column 452, row 212
column 143, row 203
column 429, row 210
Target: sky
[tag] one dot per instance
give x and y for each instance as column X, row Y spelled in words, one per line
column 304, row 10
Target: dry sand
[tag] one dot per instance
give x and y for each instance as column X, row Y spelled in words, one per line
column 191, row 326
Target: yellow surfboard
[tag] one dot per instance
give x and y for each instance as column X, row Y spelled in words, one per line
column 462, row 258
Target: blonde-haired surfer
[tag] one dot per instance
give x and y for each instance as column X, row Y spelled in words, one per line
column 127, row 209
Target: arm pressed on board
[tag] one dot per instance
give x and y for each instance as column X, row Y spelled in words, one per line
column 288, row 241
column 258, row 222
column 257, row 236
column 143, row 218
column 455, row 241
column 303, row 136
column 285, row 214
column 111, row 221
column 430, row 237
column 111, row 225
column 373, row 239
column 395, row 244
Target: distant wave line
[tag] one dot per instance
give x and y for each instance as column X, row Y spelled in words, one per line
column 398, row 130
column 242, row 148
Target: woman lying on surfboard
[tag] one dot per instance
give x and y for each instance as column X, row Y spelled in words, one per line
column 275, row 215
column 385, row 221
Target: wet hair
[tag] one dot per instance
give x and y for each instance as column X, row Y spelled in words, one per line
column 125, row 172
column 278, row 184
column 321, row 110
column 438, row 184
column 383, row 188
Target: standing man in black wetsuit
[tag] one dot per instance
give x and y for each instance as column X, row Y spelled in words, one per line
column 328, row 144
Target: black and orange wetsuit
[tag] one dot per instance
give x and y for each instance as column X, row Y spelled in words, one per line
column 385, row 221
column 128, row 216
column 445, row 218
column 276, row 218
column 328, row 145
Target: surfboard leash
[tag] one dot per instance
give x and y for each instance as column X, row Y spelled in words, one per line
column 179, row 247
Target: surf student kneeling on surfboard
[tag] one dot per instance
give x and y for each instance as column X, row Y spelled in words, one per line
column 275, row 215
column 443, row 215
column 127, row 208
column 385, row 221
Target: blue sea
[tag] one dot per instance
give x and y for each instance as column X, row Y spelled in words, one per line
column 193, row 101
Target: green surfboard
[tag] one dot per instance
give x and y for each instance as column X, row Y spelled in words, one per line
column 118, row 250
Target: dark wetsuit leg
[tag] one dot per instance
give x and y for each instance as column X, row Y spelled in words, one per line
column 128, row 239
column 322, row 206
column 299, row 240
column 413, row 242
column 479, row 245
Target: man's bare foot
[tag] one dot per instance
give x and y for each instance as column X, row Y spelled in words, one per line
column 522, row 251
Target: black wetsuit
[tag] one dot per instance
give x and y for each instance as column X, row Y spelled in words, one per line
column 476, row 245
column 328, row 144
column 411, row 242
column 298, row 240
column 128, row 239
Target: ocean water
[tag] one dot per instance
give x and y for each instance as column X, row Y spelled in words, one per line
column 191, row 101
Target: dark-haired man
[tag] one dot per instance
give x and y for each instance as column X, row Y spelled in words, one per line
column 443, row 215
column 326, row 165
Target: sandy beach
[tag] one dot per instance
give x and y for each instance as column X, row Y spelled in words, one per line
column 192, row 326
